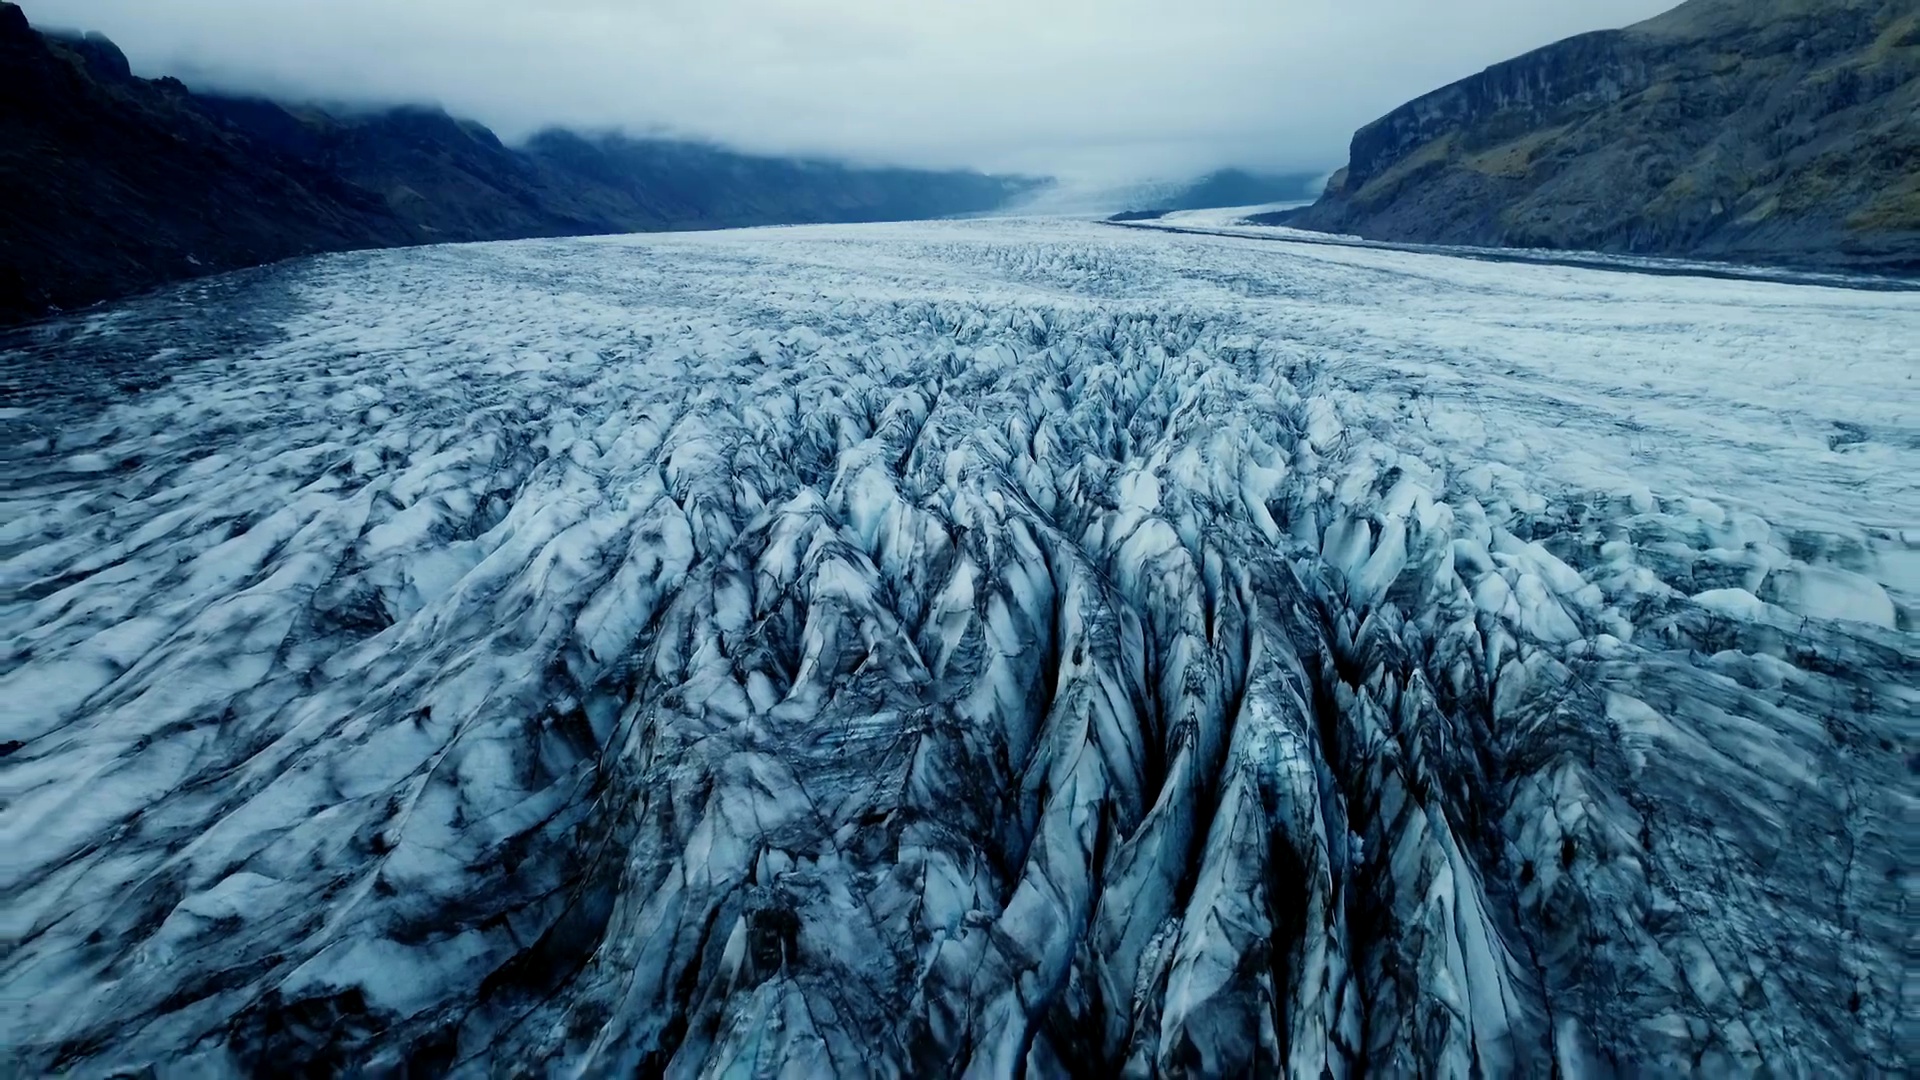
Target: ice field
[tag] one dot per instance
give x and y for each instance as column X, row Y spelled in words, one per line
column 958, row 649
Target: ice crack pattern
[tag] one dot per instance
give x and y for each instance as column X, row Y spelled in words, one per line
column 959, row 649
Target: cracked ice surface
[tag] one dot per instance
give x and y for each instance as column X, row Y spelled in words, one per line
column 954, row 649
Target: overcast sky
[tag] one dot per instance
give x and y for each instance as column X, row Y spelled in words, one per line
column 1126, row 89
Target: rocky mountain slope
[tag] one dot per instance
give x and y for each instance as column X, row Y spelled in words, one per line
column 1771, row 130
column 110, row 183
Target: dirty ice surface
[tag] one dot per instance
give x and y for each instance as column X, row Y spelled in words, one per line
column 958, row 648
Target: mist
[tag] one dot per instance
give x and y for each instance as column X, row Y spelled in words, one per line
column 1114, row 90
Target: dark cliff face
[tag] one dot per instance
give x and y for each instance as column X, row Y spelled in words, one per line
column 1582, row 73
column 1775, row 130
column 111, row 184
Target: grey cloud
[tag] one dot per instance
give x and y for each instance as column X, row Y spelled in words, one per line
column 1122, row 88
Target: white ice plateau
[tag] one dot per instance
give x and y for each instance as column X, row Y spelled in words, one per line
column 976, row 649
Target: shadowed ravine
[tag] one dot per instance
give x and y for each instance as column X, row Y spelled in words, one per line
column 951, row 649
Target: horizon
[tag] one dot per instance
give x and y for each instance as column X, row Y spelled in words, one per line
column 1264, row 88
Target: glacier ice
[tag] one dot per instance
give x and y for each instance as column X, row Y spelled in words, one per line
column 959, row 649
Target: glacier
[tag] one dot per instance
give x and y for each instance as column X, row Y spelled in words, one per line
column 980, row 648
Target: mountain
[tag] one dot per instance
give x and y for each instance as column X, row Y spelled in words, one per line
column 691, row 185
column 1219, row 190
column 1763, row 130
column 1238, row 187
column 110, row 183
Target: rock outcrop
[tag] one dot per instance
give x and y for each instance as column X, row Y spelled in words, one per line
column 110, row 183
column 1782, row 131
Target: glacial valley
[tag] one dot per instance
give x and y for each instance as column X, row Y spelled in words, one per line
column 967, row 648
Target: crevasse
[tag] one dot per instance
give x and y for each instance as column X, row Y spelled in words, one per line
column 964, row 649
